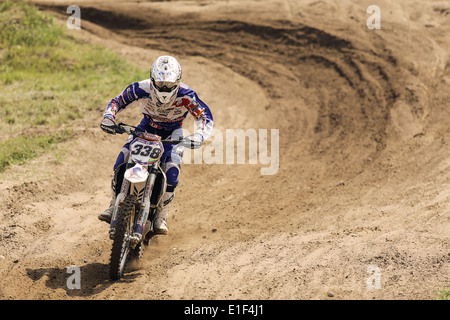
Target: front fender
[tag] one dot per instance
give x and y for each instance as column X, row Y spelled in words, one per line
column 136, row 174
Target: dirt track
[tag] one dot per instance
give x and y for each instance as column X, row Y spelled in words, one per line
column 364, row 175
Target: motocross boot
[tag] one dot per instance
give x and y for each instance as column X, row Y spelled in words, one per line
column 107, row 214
column 115, row 184
column 162, row 212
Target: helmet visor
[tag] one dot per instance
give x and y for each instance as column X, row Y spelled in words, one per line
column 165, row 86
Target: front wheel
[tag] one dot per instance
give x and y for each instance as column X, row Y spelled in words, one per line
column 121, row 241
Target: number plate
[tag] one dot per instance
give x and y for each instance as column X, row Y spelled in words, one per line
column 145, row 152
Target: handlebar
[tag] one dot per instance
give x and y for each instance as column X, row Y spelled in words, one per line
column 129, row 129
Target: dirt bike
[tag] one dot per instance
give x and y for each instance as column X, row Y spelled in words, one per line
column 144, row 184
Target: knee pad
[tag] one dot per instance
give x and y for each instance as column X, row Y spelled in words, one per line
column 172, row 176
column 123, row 155
column 172, row 167
column 116, row 183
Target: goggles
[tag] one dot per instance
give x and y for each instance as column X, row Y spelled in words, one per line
column 164, row 86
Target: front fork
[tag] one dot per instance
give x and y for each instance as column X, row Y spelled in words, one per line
column 142, row 191
column 141, row 227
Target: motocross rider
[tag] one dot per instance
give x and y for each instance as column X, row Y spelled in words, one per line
column 165, row 102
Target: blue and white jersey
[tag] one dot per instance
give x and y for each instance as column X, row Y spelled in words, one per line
column 164, row 120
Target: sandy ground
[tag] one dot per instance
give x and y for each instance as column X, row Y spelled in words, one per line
column 364, row 173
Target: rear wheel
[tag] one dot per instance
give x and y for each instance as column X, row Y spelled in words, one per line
column 120, row 252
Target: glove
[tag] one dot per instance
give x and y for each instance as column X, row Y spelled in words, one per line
column 193, row 141
column 109, row 126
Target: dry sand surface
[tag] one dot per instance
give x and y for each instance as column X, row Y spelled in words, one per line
column 364, row 174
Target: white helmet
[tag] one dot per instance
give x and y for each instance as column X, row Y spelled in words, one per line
column 165, row 79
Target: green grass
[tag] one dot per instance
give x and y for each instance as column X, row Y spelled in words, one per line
column 25, row 26
column 48, row 78
column 20, row 149
column 444, row 295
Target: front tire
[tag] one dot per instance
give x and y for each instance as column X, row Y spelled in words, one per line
column 121, row 241
column 137, row 253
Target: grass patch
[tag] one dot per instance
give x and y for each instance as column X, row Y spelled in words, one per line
column 49, row 78
column 444, row 295
column 24, row 25
column 20, row 149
